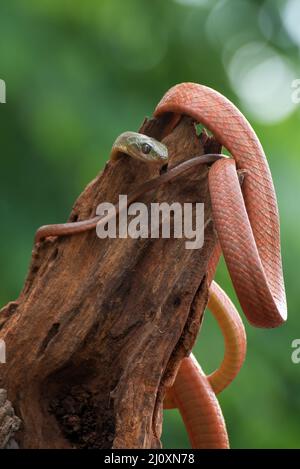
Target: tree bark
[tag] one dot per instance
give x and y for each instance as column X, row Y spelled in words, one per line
column 100, row 326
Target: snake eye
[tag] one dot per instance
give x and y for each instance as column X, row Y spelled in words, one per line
column 146, row 148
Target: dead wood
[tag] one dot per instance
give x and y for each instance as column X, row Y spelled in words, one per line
column 101, row 325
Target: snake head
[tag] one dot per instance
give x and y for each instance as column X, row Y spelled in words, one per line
column 140, row 147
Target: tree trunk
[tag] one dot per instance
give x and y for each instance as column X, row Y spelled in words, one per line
column 101, row 325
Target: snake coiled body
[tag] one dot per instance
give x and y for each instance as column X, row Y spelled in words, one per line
column 248, row 223
column 194, row 393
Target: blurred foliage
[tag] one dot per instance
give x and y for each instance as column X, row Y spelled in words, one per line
column 79, row 73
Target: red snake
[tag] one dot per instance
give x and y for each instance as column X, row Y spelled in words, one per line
column 194, row 393
column 247, row 225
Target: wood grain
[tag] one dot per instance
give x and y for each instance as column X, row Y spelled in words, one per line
column 101, row 325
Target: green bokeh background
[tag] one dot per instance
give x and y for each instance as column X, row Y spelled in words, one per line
column 79, row 73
